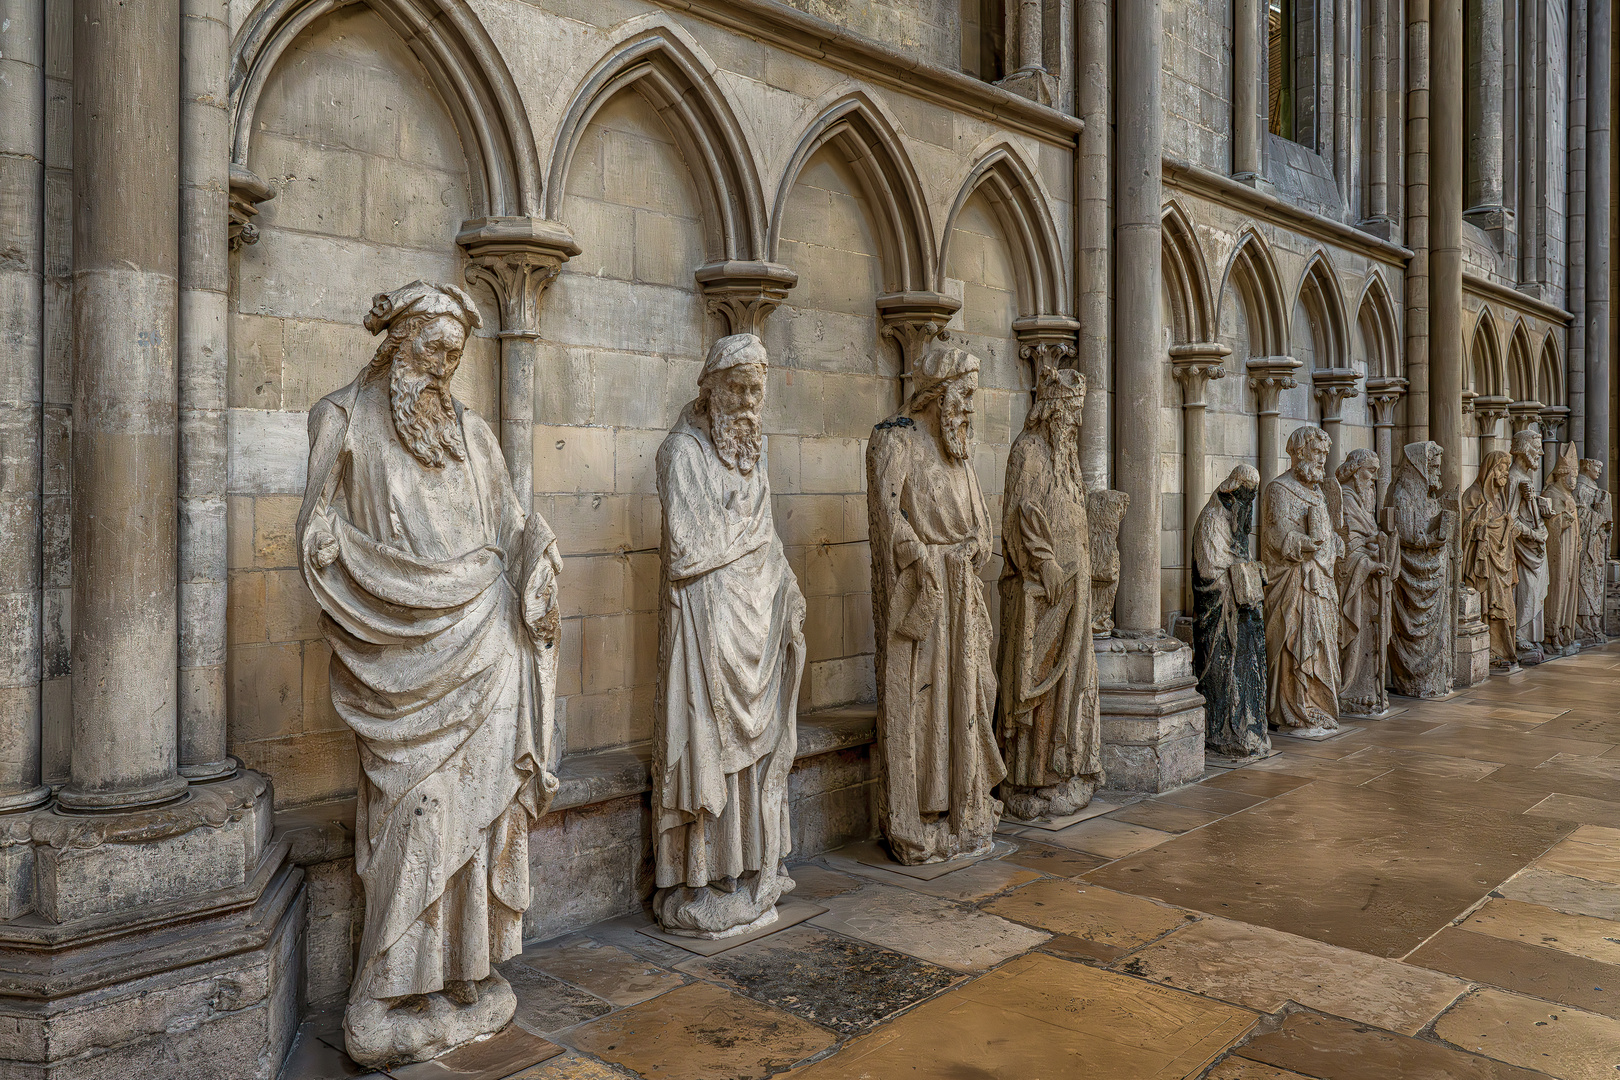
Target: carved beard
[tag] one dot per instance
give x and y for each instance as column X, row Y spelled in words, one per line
column 955, row 427
column 737, row 439
column 1310, row 472
column 1065, row 439
column 424, row 416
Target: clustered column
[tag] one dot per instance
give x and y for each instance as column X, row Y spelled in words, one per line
column 126, row 263
column 1599, row 192
column 1484, row 131
column 1246, row 90
column 1445, row 337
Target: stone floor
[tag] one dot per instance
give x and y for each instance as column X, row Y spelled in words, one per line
column 1432, row 895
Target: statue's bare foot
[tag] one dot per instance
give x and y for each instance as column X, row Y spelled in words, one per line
column 461, row 991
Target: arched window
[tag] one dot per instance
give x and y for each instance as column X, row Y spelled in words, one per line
column 1280, row 66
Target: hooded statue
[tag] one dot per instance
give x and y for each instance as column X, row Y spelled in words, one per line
column 1420, row 608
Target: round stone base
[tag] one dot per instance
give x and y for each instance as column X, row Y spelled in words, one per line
column 760, row 923
column 425, row 1027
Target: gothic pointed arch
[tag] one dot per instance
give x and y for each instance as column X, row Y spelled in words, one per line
column 1375, row 319
column 1487, row 376
column 858, row 130
column 1318, row 294
column 1015, row 196
column 461, row 59
column 676, row 82
column 1521, row 365
column 1251, row 274
column 1551, row 379
column 1186, row 279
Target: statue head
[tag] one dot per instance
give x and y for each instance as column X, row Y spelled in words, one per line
column 731, row 396
column 1060, row 399
column 1527, row 447
column 943, row 387
column 1237, row 494
column 1358, row 470
column 1592, row 469
column 1567, row 467
column 1308, row 450
column 1493, row 471
column 1425, row 459
column 427, row 326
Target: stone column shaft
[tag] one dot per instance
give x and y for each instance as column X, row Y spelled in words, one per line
column 1138, row 355
column 1385, row 395
column 1094, row 269
column 1484, row 76
column 1246, row 129
column 1599, row 205
column 1445, row 336
column 126, row 262
column 1195, row 366
column 1553, row 419
column 1269, row 376
column 1379, row 69
column 1416, row 233
column 205, row 157
column 22, row 367
column 1488, row 412
column 1332, row 386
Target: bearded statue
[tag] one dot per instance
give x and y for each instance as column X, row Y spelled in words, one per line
column 439, row 601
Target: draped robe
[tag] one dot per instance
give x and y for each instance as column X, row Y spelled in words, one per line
column 1596, row 521
column 1530, row 549
column 1047, row 712
column 1563, row 566
column 731, row 654
column 1302, row 605
column 936, row 686
column 1490, row 527
column 1419, row 608
column 1229, row 639
column 427, row 609
column 1361, row 588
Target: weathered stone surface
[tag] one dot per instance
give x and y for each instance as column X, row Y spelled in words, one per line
column 1490, row 526
column 1229, row 632
column 1594, row 531
column 1530, row 513
column 1420, row 614
column 1363, row 579
column 1104, row 511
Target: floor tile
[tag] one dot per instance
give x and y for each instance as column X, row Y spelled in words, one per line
column 1506, row 789
column 1040, row 1016
column 813, row 882
column 496, row 1058
column 1265, row 784
column 1522, row 747
column 1036, row 854
column 1579, row 935
column 789, row 912
column 874, row 854
column 1424, row 764
column 1345, row 865
column 1097, row 807
column 1332, row 1049
column 1262, row 969
column 1578, row 808
column 1109, row 838
column 570, row 1066
column 1576, row 896
column 1166, row 816
column 833, row 981
column 313, row 1058
column 1204, row 797
column 1582, row 860
column 546, row 1004
column 702, row 1032
column 1347, row 770
column 1526, row 969
column 1236, row 1068
column 1598, row 836
column 1102, row 924
column 1566, row 1043
column 611, row 974
column 926, row 927
column 972, row 882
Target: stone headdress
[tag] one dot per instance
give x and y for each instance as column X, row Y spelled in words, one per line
column 1242, row 476
column 734, row 350
column 1569, row 462
column 942, row 366
column 422, row 298
column 1058, row 383
column 1357, row 459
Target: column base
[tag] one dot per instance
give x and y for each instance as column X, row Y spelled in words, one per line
column 24, row 800
column 1473, row 644
column 1152, row 713
column 110, row 802
column 167, row 942
column 210, row 771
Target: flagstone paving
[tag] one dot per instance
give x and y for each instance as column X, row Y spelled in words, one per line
column 1433, row 895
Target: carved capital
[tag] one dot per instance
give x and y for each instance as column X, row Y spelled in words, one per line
column 915, row 321
column 1046, row 341
column 247, row 192
column 743, row 294
column 1553, row 419
column 1194, row 366
column 1331, row 386
column 1384, row 394
column 517, row 257
column 1488, row 409
column 1525, row 413
column 1269, row 376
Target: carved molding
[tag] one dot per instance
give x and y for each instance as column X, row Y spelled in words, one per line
column 1195, row 366
column 743, row 294
column 915, row 321
column 1553, row 419
column 517, row 257
column 1331, row 387
column 1525, row 413
column 1269, row 376
column 1385, row 394
column 1046, row 341
column 247, row 192
column 1488, row 409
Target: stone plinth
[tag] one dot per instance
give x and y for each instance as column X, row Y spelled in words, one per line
column 1152, row 713
column 1473, row 640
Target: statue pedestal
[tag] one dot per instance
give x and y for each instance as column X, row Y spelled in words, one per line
column 1152, row 713
column 165, row 941
column 1473, row 641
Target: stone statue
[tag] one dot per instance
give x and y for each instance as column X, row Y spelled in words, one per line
column 1364, row 578
column 1530, row 544
column 1046, row 713
column 1419, row 608
column 1300, row 548
column 1595, row 511
column 1104, row 511
column 1563, row 557
column 731, row 653
column 1490, row 528
column 440, row 607
column 1229, row 630
column 931, row 535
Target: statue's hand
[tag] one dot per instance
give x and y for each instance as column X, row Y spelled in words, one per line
column 1051, row 580
column 323, row 549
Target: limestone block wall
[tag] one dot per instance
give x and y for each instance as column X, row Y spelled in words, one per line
column 930, row 28
column 1197, row 83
